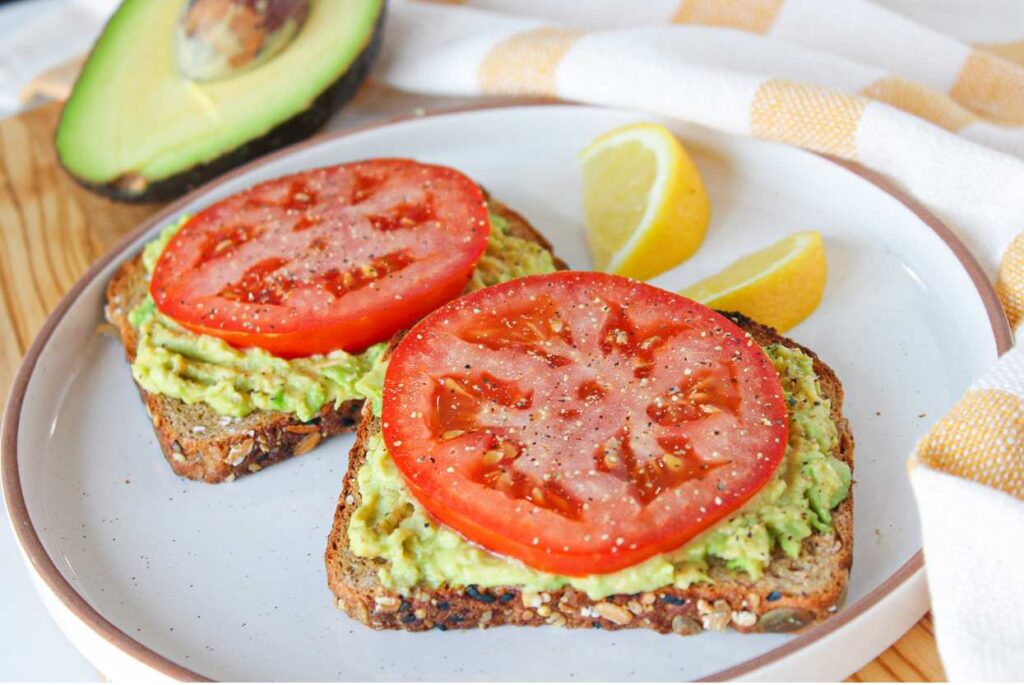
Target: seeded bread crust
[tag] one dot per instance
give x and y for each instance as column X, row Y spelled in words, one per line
column 202, row 445
column 791, row 595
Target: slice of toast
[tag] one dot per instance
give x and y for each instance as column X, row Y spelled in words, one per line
column 203, row 445
column 792, row 593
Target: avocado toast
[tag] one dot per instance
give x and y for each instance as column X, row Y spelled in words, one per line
column 391, row 564
column 221, row 410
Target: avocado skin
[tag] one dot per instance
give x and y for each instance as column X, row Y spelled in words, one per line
column 299, row 127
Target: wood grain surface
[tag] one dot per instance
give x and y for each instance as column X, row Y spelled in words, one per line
column 51, row 230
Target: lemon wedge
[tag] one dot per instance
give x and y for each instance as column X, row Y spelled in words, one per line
column 778, row 286
column 644, row 202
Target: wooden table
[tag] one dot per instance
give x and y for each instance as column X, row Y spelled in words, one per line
column 51, row 230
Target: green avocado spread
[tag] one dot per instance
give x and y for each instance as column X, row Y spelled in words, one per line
column 798, row 501
column 172, row 361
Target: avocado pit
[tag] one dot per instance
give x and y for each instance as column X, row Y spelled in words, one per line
column 218, row 39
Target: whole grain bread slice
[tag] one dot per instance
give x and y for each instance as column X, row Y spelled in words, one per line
column 792, row 593
column 202, row 445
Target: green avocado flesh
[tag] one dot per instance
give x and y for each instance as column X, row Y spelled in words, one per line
column 172, row 361
column 133, row 120
column 797, row 502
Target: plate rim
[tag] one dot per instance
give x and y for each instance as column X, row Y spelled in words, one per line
column 48, row 573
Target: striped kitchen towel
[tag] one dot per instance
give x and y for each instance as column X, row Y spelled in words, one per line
column 934, row 102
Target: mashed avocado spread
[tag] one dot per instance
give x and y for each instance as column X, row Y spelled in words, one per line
column 796, row 502
column 172, row 361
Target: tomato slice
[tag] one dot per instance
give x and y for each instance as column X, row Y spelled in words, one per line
column 581, row 422
column 326, row 259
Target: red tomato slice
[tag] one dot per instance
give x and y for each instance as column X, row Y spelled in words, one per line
column 334, row 258
column 581, row 422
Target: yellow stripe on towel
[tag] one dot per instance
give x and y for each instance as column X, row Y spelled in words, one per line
column 756, row 16
column 921, row 101
column 991, row 86
column 813, row 117
column 1013, row 51
column 981, row 439
column 1010, row 281
column 526, row 63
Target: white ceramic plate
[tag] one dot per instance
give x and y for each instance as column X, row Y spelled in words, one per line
column 150, row 573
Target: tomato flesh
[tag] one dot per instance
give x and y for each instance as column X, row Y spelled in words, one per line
column 335, row 258
column 581, row 422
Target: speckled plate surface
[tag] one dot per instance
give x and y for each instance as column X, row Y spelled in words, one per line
column 150, row 574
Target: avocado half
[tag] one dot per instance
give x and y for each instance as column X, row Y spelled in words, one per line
column 134, row 129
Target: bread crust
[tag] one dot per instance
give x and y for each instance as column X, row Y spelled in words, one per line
column 792, row 594
column 201, row 445
column 197, row 442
